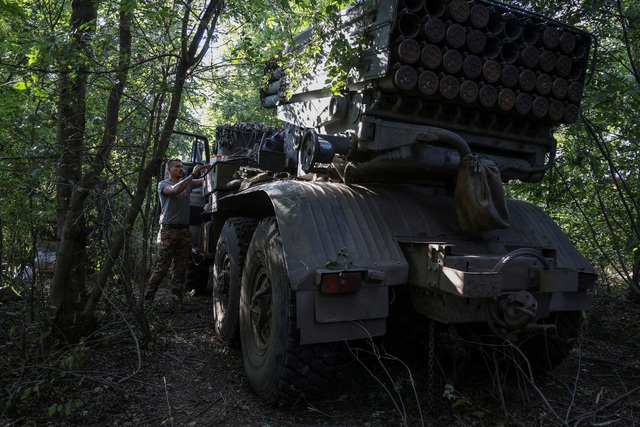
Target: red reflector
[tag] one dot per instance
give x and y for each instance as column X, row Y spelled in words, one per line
column 338, row 283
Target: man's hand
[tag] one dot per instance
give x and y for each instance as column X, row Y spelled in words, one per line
column 197, row 169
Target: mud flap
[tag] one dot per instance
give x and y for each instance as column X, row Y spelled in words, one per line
column 480, row 201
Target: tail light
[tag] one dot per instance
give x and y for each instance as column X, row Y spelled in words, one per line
column 340, row 282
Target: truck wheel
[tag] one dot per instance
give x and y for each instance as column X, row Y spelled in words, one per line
column 278, row 368
column 547, row 350
column 227, row 273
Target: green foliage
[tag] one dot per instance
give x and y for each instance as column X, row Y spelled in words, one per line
column 341, row 262
column 258, row 32
column 456, row 400
column 41, row 368
column 234, row 96
column 64, row 409
column 344, row 48
column 593, row 190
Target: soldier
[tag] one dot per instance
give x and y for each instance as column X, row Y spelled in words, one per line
column 174, row 237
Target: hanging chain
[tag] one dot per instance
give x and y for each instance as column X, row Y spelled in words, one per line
column 430, row 374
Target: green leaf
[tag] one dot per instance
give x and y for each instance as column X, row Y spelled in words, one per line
column 53, row 409
column 21, row 85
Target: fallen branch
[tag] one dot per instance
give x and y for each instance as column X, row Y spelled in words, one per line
column 605, row 406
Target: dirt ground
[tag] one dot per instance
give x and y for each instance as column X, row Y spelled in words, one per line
column 192, row 379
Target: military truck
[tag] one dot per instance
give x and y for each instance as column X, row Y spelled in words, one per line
column 392, row 190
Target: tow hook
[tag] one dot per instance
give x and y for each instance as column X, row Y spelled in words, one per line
column 518, row 309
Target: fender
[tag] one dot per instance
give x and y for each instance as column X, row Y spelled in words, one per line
column 323, row 224
column 318, row 220
column 330, row 225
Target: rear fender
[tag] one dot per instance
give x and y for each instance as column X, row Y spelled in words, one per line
column 372, row 228
column 325, row 228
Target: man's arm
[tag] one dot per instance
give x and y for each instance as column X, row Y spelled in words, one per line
column 175, row 189
column 198, row 182
column 172, row 190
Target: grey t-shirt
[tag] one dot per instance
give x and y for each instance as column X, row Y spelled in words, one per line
column 175, row 209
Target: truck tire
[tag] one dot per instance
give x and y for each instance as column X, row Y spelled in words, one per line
column 278, row 367
column 227, row 273
column 547, row 350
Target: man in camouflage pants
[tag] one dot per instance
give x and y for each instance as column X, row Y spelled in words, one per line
column 174, row 238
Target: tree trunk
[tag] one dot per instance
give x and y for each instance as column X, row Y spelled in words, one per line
column 68, row 295
column 67, row 289
column 634, row 289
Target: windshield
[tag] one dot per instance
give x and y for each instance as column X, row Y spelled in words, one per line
column 188, row 147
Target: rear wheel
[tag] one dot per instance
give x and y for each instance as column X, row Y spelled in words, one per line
column 546, row 350
column 278, row 368
column 227, row 273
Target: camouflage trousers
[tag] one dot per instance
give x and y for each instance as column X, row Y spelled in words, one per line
column 173, row 245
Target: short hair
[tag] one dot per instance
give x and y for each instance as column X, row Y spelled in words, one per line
column 170, row 162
